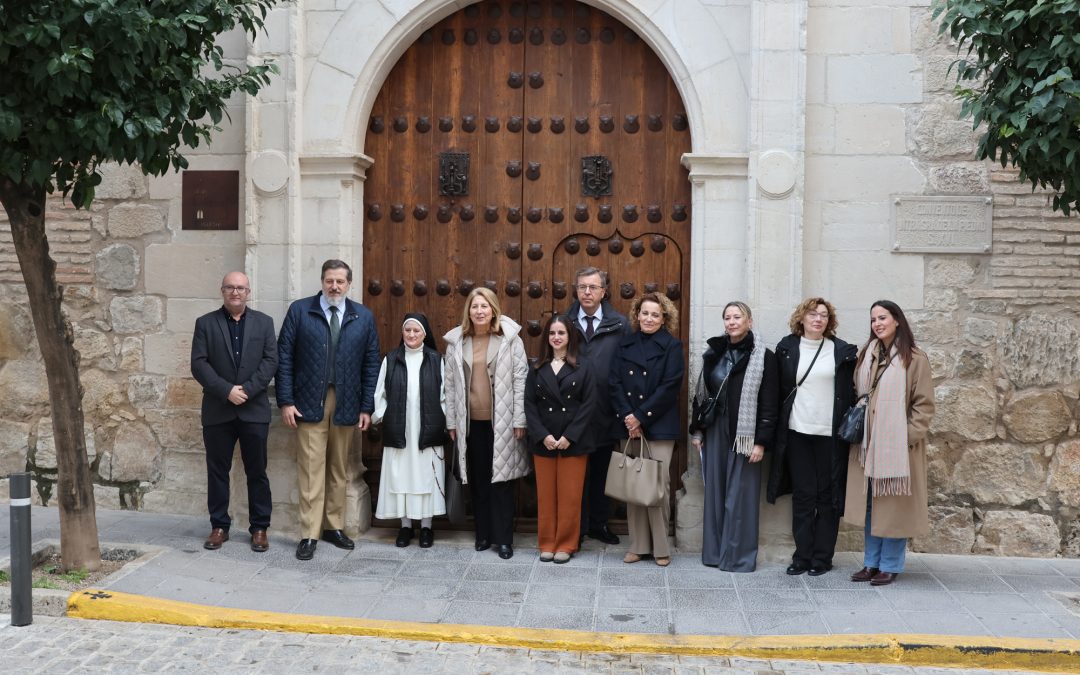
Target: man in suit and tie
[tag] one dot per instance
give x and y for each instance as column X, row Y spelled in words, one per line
column 601, row 329
column 234, row 357
column 329, row 359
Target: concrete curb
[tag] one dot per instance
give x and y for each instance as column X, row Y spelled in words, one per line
column 53, row 602
column 1046, row 655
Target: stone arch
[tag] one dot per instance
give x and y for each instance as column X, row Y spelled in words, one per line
column 346, row 77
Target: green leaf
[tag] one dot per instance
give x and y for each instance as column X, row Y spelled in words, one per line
column 131, row 128
column 10, row 125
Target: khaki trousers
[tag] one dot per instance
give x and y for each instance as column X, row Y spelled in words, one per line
column 558, row 501
column 321, row 467
column 648, row 525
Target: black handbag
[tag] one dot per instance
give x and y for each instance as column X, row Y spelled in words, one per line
column 853, row 423
column 706, row 413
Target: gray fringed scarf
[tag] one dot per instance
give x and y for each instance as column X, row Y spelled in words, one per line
column 746, row 427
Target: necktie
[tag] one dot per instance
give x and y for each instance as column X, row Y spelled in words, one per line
column 589, row 327
column 331, row 353
column 335, row 325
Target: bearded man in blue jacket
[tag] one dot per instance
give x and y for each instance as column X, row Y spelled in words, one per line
column 328, row 365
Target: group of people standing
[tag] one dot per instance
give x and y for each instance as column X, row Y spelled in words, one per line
column 793, row 402
column 600, row 379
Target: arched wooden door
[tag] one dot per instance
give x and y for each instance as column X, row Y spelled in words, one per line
column 514, row 143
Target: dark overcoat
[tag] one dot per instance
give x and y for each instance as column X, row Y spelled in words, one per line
column 765, row 430
column 787, row 357
column 646, row 379
column 597, row 352
column 562, row 405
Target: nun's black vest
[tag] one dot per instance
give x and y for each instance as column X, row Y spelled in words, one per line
column 432, row 419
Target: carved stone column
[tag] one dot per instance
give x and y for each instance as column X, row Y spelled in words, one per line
column 719, row 236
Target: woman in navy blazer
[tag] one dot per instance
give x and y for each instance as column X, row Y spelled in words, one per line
column 645, row 378
column 559, row 403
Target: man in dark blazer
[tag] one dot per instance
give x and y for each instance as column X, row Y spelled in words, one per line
column 601, row 329
column 234, row 356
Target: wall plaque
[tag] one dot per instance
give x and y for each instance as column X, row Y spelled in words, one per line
column 210, row 200
column 940, row 224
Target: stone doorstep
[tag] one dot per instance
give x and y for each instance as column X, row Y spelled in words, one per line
column 53, row 602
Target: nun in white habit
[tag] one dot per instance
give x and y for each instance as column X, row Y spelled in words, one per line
column 410, row 403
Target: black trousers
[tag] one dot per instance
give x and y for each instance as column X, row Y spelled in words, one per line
column 220, row 441
column 814, row 522
column 493, row 503
column 595, row 505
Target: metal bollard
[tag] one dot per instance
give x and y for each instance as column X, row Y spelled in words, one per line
column 22, row 598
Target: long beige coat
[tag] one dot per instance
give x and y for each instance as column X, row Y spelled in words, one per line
column 897, row 516
column 508, row 367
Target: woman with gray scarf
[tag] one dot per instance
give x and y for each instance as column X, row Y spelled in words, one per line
column 733, row 423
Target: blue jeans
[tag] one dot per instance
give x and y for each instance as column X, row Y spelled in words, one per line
column 884, row 553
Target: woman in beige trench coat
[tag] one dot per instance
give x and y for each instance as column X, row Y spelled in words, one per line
column 886, row 486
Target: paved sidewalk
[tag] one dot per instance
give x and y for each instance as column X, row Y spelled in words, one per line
column 595, row 591
column 71, row 646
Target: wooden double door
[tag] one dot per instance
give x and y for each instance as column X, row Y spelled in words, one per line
column 514, row 143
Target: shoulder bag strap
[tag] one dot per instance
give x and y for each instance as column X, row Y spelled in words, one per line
column 807, row 373
column 874, row 385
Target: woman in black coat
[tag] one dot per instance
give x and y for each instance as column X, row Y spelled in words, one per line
column 817, row 385
column 560, row 398
column 644, row 381
column 733, row 423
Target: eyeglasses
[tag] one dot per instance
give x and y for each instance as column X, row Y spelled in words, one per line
column 235, row 289
column 589, row 287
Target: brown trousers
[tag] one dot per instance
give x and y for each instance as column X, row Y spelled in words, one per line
column 559, row 481
column 321, row 464
column 649, row 525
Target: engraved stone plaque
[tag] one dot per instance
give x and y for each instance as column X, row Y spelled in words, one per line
column 941, row 224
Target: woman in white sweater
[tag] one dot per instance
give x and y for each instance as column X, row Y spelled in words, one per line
column 810, row 460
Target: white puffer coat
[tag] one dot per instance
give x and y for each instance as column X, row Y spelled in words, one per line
column 507, row 370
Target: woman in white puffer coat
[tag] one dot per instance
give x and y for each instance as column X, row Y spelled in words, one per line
column 485, row 414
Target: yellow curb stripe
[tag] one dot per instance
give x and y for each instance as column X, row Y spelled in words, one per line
column 1047, row 655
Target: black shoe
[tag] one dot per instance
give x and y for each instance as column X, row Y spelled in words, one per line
column 482, row 545
column 818, row 569
column 506, row 551
column 306, row 549
column 797, row 568
column 338, row 538
column 427, row 537
column 404, row 536
column 603, row 534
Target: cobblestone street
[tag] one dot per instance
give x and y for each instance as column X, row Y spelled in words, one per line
column 53, row 645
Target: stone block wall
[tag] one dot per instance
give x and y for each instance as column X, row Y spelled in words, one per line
column 1002, row 330
column 133, row 283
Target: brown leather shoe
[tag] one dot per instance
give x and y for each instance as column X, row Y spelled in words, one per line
column 218, row 536
column 884, row 578
column 259, row 542
column 865, row 574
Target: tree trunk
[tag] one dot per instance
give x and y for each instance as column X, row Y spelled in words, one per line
column 25, row 207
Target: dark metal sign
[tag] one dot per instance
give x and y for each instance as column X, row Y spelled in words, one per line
column 210, row 200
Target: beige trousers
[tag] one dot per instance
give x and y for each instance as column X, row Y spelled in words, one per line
column 321, row 467
column 648, row 525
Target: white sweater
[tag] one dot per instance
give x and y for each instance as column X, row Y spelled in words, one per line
column 812, row 412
